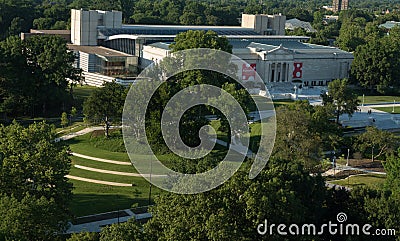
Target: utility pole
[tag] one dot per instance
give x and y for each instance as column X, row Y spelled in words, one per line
column 151, row 170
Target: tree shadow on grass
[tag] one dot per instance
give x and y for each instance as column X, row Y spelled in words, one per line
column 88, row 204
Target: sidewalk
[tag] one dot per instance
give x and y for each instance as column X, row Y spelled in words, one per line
column 379, row 119
column 97, row 225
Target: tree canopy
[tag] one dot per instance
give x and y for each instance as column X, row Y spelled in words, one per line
column 34, row 192
column 341, row 97
column 35, row 76
column 106, row 104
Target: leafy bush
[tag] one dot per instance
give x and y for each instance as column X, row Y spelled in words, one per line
column 114, row 142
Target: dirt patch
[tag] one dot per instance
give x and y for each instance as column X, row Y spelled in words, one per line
column 367, row 164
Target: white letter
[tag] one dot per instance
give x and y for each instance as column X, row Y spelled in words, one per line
column 281, row 228
column 265, row 228
column 365, row 229
column 322, row 228
column 297, row 229
column 310, row 228
column 270, row 228
column 331, row 225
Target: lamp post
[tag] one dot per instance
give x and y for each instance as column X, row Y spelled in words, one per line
column 334, row 163
column 363, row 99
column 394, row 103
column 151, row 170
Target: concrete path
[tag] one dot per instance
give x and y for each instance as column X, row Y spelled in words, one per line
column 234, row 146
column 129, row 174
column 116, row 173
column 80, row 133
column 101, row 159
column 116, row 184
column 379, row 119
column 340, row 168
column 97, row 225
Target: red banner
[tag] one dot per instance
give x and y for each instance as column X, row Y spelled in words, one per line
column 249, row 71
column 298, row 71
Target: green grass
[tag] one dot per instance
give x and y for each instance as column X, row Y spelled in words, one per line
column 82, row 145
column 102, row 165
column 370, row 180
column 278, row 103
column 103, row 176
column 82, row 92
column 75, row 127
column 265, row 103
column 91, row 198
column 378, row 99
column 389, row 109
column 220, row 135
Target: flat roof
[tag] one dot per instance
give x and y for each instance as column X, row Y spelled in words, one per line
column 173, row 30
column 230, row 37
column 60, row 32
column 390, row 24
column 98, row 50
column 268, row 45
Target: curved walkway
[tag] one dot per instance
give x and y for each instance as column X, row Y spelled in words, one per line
column 80, row 133
column 115, row 172
column 116, row 184
column 101, row 159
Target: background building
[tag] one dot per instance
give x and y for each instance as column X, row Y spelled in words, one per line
column 339, row 5
column 107, row 50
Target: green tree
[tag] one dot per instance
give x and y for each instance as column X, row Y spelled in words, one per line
column 194, row 118
column 375, row 64
column 341, row 97
column 72, row 114
column 282, row 193
column 34, row 192
column 106, row 104
column 377, row 142
column 35, row 75
column 64, row 119
column 33, row 163
column 84, row 236
column 200, row 39
column 193, row 14
column 392, row 168
column 128, row 231
column 351, row 36
column 296, row 140
column 30, row 219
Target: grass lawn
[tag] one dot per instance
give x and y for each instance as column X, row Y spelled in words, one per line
column 103, row 176
column 265, row 105
column 378, row 99
column 370, row 180
column 389, row 109
column 278, row 103
column 82, row 92
column 75, row 127
column 82, row 145
column 91, row 198
column 220, row 135
column 101, row 165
